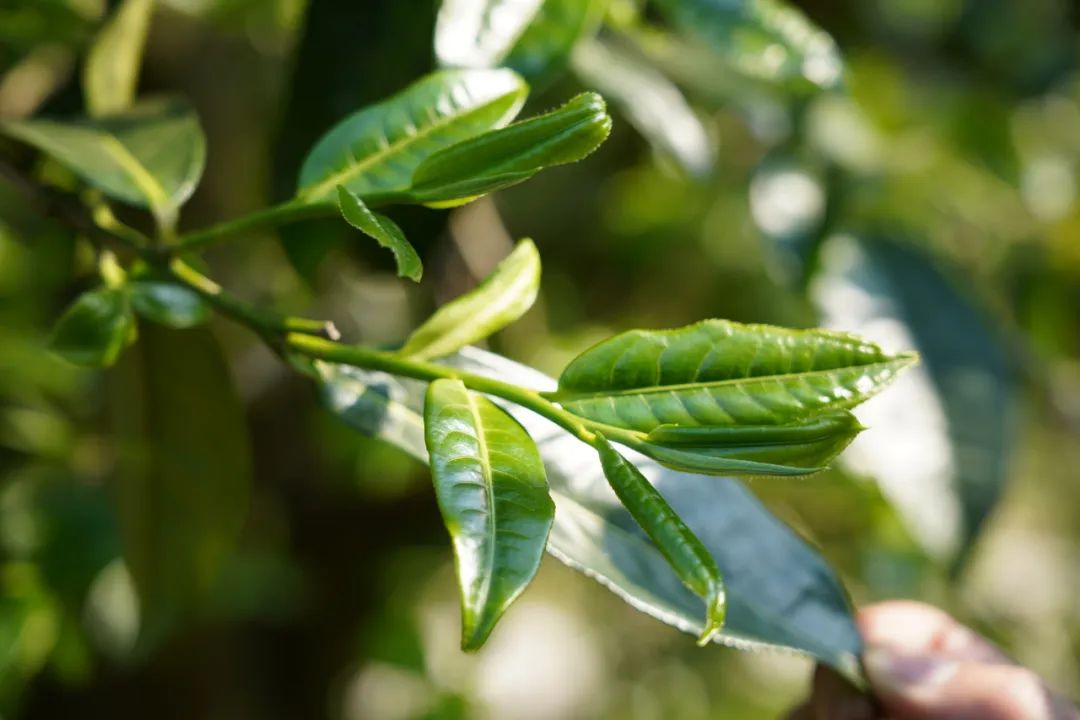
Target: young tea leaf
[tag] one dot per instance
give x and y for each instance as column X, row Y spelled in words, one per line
column 501, row 158
column 167, row 303
column 151, row 156
column 112, row 65
column 383, row 230
column 678, row 544
column 95, row 329
column 765, row 39
column 503, row 297
column 493, row 495
column 374, row 151
column 720, row 373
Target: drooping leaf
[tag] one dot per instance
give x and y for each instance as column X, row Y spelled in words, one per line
column 765, row 39
column 151, row 156
column 534, row 37
column 798, row 448
column 383, row 230
column 493, row 495
column 111, row 71
column 374, row 151
column 505, row 157
column 168, row 303
column 651, row 102
column 780, row 593
column 95, row 329
column 183, row 472
column 503, row 297
column 719, row 373
column 676, row 542
column 939, row 446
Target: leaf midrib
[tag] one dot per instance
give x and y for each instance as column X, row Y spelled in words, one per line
column 561, row 396
column 489, row 482
column 343, row 176
column 153, row 191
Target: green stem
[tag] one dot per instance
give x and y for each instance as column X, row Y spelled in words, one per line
column 371, row 359
column 288, row 212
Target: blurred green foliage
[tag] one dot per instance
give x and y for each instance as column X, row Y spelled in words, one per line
column 928, row 200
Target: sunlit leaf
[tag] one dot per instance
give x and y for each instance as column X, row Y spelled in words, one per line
column 676, row 542
column 183, row 473
column 532, row 37
column 503, row 297
column 111, row 71
column 505, row 157
column 718, row 373
column 383, row 230
column 939, row 445
column 374, row 151
column 780, row 592
column 95, row 329
column 651, row 102
column 766, row 39
column 151, row 156
column 168, row 303
column 493, row 495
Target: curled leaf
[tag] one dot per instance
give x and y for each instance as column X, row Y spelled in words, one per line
column 384, row 231
column 95, row 329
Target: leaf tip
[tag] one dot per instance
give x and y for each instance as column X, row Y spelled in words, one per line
column 715, row 616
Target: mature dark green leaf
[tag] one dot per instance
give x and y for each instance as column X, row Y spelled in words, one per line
column 503, row 297
column 719, row 373
column 535, row 38
column 151, row 156
column 939, row 448
column 168, row 303
column 183, row 472
column 111, row 71
column 780, row 593
column 95, row 329
column 798, row 448
column 501, row 158
column 651, row 102
column 374, row 151
column 676, row 542
column 493, row 494
column 383, row 230
column 766, row 39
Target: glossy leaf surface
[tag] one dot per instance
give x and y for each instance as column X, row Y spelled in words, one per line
column 508, row 156
column 675, row 541
column 766, row 39
column 503, row 297
column 493, row 495
column 383, row 230
column 184, row 469
column 533, row 37
column 151, row 156
column 375, row 151
column 780, row 593
column 95, row 329
column 718, row 373
column 940, row 443
column 111, row 71
column 168, row 303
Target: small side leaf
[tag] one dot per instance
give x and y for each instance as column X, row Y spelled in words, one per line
column 501, row 158
column 503, row 297
column 676, row 542
column 167, row 303
column 151, row 156
column 111, row 72
column 95, row 329
column 493, row 495
column 383, row 230
column 374, row 151
column 721, row 373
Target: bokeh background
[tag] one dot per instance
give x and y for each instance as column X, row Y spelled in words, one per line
column 932, row 203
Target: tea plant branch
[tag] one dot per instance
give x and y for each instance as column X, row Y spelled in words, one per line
column 287, row 212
